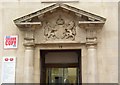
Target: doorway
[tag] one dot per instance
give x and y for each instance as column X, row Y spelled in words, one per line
column 61, row 75
column 60, row 67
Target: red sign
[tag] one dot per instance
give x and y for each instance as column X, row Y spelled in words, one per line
column 10, row 41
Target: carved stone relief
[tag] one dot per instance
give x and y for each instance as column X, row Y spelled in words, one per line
column 60, row 30
column 60, row 22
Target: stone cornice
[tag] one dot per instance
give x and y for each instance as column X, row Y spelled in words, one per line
column 26, row 21
column 87, row 21
column 54, row 6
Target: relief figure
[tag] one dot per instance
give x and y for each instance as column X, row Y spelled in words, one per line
column 70, row 30
column 60, row 30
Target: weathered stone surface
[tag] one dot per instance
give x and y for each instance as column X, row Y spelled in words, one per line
column 107, row 38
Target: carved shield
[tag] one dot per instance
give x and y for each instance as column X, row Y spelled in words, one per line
column 60, row 31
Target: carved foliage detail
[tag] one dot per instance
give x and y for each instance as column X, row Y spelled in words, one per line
column 60, row 30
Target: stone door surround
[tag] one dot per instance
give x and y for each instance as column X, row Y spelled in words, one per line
column 56, row 24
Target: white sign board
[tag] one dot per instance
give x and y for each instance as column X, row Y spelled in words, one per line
column 10, row 41
column 8, row 69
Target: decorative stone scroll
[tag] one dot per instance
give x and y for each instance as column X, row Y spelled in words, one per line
column 60, row 30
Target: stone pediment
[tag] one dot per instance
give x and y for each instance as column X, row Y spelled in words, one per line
column 35, row 18
column 60, row 23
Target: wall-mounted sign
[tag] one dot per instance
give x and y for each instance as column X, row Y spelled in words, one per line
column 8, row 70
column 10, row 41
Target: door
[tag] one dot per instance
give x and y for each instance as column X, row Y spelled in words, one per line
column 61, row 67
column 62, row 76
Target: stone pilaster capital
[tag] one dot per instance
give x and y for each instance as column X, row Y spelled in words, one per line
column 29, row 39
column 91, row 42
column 29, row 45
column 91, row 45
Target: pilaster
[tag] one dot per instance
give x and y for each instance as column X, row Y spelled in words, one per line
column 92, row 69
column 29, row 54
column 91, row 43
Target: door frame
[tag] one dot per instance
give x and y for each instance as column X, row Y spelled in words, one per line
column 43, row 65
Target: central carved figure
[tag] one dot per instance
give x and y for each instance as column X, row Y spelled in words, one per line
column 60, row 30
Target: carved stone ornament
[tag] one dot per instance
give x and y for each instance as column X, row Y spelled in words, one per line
column 60, row 30
column 59, row 22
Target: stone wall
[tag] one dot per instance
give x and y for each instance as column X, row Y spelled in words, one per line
column 107, row 50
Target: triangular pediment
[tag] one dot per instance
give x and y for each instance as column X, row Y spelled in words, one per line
column 34, row 18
